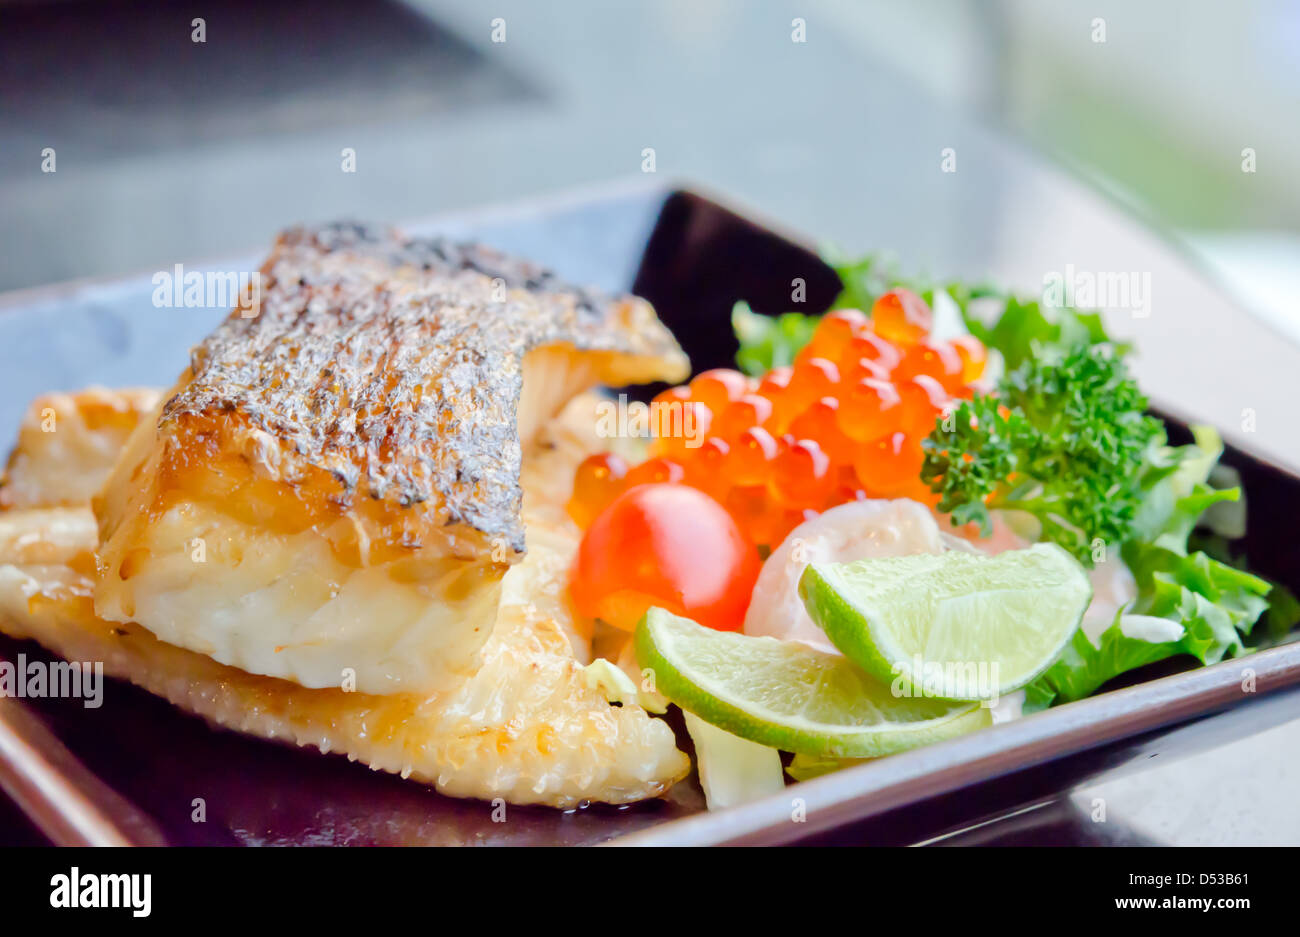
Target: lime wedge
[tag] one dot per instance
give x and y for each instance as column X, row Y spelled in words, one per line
column 955, row 625
column 787, row 695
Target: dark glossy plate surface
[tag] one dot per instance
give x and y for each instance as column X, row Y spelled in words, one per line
column 693, row 259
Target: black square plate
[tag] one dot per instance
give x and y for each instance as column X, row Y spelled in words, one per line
column 692, row 258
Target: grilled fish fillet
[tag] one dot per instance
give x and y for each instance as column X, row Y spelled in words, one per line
column 526, row 727
column 68, row 443
column 331, row 494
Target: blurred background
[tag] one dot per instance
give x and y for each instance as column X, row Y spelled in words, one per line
column 1076, row 129
column 169, row 149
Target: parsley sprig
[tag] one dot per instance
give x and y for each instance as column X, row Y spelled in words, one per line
column 1062, row 440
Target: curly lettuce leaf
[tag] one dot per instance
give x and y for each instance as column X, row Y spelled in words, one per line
column 1084, row 667
column 1283, row 614
column 1214, row 604
column 1022, row 330
column 1217, row 603
column 1175, row 490
column 866, row 278
column 1017, row 327
column 1212, row 627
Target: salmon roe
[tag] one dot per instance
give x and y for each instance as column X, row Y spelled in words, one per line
column 845, row 422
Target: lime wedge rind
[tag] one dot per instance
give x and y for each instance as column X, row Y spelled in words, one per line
column 875, row 724
column 823, row 595
column 1020, row 609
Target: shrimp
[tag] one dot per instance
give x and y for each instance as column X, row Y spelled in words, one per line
column 858, row 530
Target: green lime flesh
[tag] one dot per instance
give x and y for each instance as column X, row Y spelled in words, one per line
column 790, row 696
column 955, row 625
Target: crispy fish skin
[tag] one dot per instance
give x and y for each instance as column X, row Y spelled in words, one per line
column 360, row 424
column 395, row 365
column 526, row 727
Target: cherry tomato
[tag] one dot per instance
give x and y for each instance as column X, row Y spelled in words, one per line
column 666, row 545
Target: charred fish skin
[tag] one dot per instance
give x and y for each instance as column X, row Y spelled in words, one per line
column 395, row 364
column 346, row 446
column 440, row 255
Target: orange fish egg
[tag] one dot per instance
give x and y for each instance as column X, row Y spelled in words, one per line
column 835, row 331
column 674, row 398
column 812, row 380
column 974, row 357
column 674, row 424
column 718, row 387
column 775, row 381
column 802, row 475
column 779, row 525
column 753, row 507
column 761, row 515
column 819, row 421
column 746, row 411
column 870, row 409
column 705, row 470
column 775, row 387
column 938, row 360
column 863, row 370
column 872, row 347
column 901, row 317
column 655, row 471
column 847, row 486
column 706, row 464
column 924, row 402
column 750, row 459
column 679, row 394
column 889, row 466
column 918, row 490
column 599, row 479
